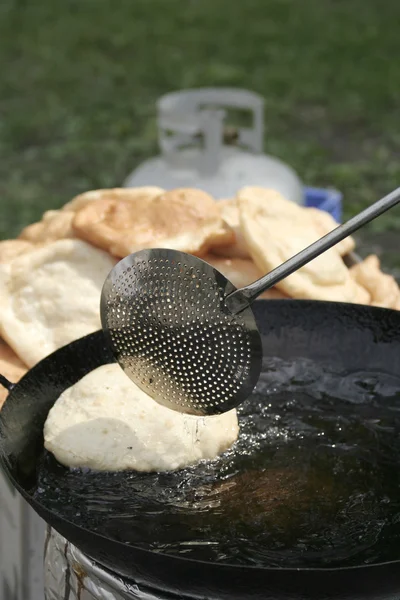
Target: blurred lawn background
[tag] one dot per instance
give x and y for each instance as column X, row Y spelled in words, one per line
column 79, row 80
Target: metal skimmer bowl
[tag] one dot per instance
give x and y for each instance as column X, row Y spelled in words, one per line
column 165, row 317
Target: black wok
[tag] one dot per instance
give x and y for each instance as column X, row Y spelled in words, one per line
column 349, row 338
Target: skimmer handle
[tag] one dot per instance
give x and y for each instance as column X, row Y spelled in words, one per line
column 240, row 299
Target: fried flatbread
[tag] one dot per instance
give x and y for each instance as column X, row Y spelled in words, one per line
column 382, row 287
column 275, row 229
column 54, row 225
column 10, row 249
column 57, row 224
column 51, row 296
column 321, row 220
column 111, row 194
column 183, row 219
column 230, row 213
column 241, row 272
column 324, row 224
column 105, row 422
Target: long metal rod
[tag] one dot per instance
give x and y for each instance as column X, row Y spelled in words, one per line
column 252, row 291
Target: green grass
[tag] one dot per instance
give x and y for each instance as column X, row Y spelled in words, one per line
column 79, row 78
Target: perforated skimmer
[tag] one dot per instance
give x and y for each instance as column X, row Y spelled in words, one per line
column 183, row 333
column 173, row 335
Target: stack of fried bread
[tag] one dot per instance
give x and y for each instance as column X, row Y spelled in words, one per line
column 51, row 275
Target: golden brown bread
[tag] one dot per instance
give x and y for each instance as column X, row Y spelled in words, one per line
column 86, row 198
column 55, row 225
column 276, row 229
column 383, row 288
column 183, row 219
column 241, row 272
column 230, row 213
column 320, row 220
column 324, row 223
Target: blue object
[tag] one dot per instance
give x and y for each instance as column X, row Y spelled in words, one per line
column 328, row 200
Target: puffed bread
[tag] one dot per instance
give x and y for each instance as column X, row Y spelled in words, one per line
column 10, row 249
column 182, row 219
column 275, row 229
column 51, row 296
column 324, row 224
column 241, row 272
column 105, row 422
column 54, row 225
column 57, row 224
column 383, row 288
column 110, row 194
column 230, row 213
